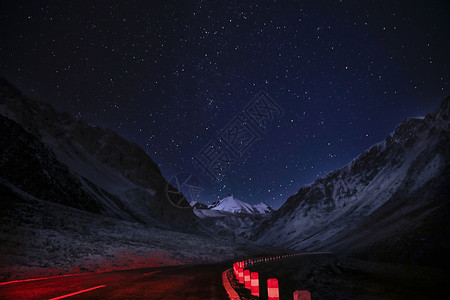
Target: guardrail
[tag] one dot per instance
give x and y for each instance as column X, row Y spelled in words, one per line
column 250, row 280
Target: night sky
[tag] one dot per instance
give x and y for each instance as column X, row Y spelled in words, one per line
column 175, row 76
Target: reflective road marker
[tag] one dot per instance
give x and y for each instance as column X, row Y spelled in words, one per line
column 79, row 292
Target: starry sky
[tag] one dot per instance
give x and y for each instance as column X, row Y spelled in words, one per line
column 174, row 76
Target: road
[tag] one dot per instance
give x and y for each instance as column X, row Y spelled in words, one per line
column 179, row 282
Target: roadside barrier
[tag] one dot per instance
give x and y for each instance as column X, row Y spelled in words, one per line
column 247, row 282
column 251, row 279
column 241, row 275
column 302, row 295
column 254, row 278
column 272, row 289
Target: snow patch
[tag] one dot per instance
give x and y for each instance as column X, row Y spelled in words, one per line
column 234, row 205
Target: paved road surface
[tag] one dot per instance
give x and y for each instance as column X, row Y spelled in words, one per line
column 181, row 282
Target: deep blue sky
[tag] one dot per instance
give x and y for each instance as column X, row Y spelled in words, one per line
column 169, row 76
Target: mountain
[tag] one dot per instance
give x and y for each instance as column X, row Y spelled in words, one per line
column 57, row 158
column 231, row 217
column 262, row 208
column 79, row 198
column 391, row 203
column 233, row 205
column 198, row 205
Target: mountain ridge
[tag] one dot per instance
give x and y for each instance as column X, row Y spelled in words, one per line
column 324, row 213
column 78, row 198
column 116, row 174
column 234, row 205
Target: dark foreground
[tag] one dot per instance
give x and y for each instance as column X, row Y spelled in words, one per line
column 181, row 282
column 324, row 275
column 327, row 276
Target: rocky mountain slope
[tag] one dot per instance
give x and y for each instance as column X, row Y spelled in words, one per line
column 231, row 217
column 390, row 203
column 77, row 198
column 262, row 208
column 57, row 158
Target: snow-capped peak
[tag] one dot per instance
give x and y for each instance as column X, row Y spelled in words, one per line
column 262, row 208
column 234, row 205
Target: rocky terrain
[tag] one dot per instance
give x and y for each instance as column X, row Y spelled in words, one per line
column 391, row 203
column 79, row 198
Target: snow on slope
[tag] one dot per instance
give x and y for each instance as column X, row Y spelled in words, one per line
column 231, row 217
column 234, row 205
column 231, row 204
column 262, row 208
column 389, row 172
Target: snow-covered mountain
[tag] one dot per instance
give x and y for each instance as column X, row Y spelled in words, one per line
column 262, row 208
column 391, row 201
column 234, row 205
column 231, row 217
